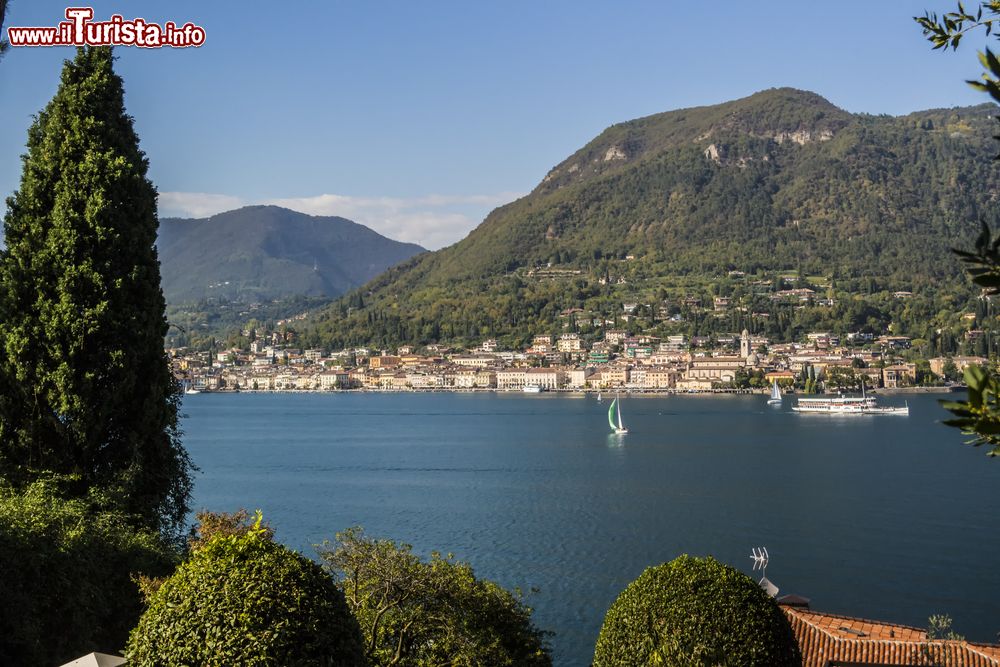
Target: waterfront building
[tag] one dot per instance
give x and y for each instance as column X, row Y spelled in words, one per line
column 511, row 378
column 333, row 379
column 899, row 375
column 714, row 369
column 546, row 378
column 576, row 378
column 660, row 377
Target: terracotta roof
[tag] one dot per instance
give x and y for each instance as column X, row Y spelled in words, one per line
column 830, row 639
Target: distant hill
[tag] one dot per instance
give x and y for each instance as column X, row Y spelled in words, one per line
column 267, row 252
column 673, row 204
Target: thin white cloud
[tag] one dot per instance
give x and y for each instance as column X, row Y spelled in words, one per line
column 195, row 204
column 433, row 221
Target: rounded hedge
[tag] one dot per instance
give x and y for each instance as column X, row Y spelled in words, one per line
column 695, row 611
column 246, row 600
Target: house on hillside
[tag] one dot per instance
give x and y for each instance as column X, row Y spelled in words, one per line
column 961, row 363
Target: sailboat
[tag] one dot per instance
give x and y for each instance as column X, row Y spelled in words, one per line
column 598, row 397
column 615, row 410
column 775, row 394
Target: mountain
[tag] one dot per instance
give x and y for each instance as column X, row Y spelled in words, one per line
column 260, row 253
column 662, row 209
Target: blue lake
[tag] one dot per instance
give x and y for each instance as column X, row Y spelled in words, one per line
column 884, row 517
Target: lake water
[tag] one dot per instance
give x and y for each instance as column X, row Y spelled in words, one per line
column 886, row 517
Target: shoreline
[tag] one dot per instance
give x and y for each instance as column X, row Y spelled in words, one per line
column 580, row 392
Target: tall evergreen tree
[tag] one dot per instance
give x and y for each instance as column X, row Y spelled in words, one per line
column 86, row 387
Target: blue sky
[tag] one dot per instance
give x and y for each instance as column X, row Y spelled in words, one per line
column 417, row 118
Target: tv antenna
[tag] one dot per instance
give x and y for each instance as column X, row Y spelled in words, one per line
column 760, row 559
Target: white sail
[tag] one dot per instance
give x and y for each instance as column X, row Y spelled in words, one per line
column 775, row 393
column 617, row 409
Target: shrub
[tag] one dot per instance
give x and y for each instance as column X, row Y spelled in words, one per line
column 242, row 599
column 695, row 611
column 415, row 613
column 214, row 524
column 66, row 575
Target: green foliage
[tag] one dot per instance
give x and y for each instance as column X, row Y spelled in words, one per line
column 213, row 324
column 65, row 574
column 947, row 31
column 85, row 387
column 419, row 614
column 935, row 649
column 939, row 627
column 838, row 377
column 979, row 415
column 695, row 611
column 950, row 370
column 225, row 524
column 984, row 262
column 243, row 599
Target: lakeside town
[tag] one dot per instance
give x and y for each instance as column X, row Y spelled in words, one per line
column 619, row 361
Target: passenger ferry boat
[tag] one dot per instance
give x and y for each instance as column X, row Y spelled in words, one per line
column 848, row 405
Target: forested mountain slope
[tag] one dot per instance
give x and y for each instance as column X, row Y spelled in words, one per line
column 676, row 204
column 259, row 253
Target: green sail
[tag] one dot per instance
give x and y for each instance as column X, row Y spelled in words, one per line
column 611, row 412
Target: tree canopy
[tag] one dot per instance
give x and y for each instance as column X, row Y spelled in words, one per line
column 416, row 613
column 66, row 571
column 243, row 599
column 698, row 612
column 85, row 386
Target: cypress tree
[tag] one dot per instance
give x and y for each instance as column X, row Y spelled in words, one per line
column 85, row 386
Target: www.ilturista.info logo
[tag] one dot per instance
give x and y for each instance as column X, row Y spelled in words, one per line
column 81, row 30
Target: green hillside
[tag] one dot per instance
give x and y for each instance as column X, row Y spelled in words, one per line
column 259, row 253
column 711, row 201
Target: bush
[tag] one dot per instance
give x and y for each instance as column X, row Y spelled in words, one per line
column 415, row 613
column 243, row 599
column 214, row 524
column 66, row 575
column 695, row 611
